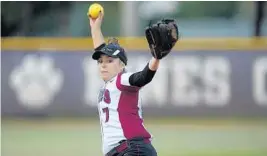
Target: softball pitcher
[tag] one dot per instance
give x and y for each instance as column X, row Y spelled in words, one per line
column 122, row 127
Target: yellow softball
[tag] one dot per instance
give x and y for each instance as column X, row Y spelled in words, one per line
column 94, row 10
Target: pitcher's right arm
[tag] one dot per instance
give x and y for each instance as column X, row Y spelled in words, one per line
column 97, row 36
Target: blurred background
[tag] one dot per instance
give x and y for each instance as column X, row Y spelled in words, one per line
column 196, row 19
column 208, row 98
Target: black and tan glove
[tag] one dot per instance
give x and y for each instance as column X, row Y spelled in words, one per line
column 162, row 37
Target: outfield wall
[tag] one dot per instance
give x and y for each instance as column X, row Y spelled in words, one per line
column 52, row 78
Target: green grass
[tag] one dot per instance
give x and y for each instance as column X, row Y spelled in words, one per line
column 81, row 137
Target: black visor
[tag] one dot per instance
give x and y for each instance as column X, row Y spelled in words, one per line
column 112, row 50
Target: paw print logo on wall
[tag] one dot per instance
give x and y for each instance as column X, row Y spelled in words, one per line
column 36, row 81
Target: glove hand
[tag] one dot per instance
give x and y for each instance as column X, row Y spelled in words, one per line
column 162, row 37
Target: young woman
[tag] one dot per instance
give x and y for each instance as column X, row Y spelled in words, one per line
column 122, row 128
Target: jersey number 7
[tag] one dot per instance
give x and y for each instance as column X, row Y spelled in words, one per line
column 106, row 111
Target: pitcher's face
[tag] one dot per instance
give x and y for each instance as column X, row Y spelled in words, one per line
column 109, row 67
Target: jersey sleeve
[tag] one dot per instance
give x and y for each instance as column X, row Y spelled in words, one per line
column 123, row 83
column 135, row 81
column 142, row 78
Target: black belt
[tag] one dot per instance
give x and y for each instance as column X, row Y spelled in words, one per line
column 124, row 145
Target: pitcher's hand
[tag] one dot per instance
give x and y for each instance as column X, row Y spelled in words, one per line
column 96, row 23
